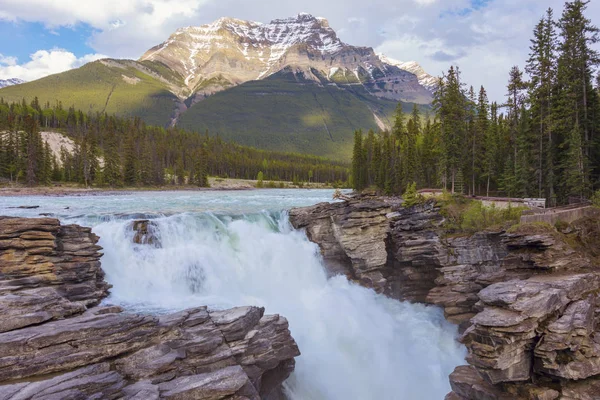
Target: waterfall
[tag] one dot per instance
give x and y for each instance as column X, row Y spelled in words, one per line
column 355, row 343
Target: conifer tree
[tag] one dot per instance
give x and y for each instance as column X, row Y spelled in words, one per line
column 541, row 67
column 358, row 165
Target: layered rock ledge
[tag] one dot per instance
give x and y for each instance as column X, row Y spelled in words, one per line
column 526, row 300
column 56, row 342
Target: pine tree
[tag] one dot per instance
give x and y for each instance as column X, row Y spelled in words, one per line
column 112, row 159
column 449, row 102
column 398, row 131
column 490, row 145
column 32, row 142
column 541, row 67
column 131, row 169
column 200, row 168
column 358, row 163
column 573, row 108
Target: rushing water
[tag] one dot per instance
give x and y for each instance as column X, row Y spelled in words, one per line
column 225, row 249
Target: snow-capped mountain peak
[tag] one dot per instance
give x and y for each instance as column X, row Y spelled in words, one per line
column 256, row 43
column 10, row 82
column 425, row 79
column 229, row 51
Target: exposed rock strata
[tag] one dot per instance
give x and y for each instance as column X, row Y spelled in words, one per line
column 526, row 300
column 57, row 343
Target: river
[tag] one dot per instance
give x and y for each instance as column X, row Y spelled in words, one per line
column 225, row 249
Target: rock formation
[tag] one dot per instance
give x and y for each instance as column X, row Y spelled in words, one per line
column 56, row 342
column 526, row 299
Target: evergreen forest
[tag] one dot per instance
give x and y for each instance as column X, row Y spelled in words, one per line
column 115, row 152
column 542, row 141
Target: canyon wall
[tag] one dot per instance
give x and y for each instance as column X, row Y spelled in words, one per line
column 526, row 299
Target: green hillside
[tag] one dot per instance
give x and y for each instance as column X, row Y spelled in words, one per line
column 119, row 89
column 286, row 112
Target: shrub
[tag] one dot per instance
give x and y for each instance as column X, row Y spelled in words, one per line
column 259, row 180
column 478, row 217
column 596, row 199
column 411, row 197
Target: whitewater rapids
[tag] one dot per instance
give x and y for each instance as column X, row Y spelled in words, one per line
column 355, row 343
column 219, row 249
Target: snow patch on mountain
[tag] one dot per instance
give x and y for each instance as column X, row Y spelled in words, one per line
column 254, row 40
column 425, row 79
column 10, row 82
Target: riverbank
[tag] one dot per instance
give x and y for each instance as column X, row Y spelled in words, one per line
column 77, row 190
column 526, row 297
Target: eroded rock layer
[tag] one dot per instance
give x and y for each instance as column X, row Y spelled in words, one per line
column 526, row 299
column 57, row 343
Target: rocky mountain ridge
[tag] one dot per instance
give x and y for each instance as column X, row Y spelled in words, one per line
column 230, row 51
column 526, row 299
column 425, row 79
column 10, row 82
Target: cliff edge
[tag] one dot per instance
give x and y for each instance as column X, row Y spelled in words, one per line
column 526, row 298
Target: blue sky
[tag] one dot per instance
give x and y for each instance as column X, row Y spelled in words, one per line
column 28, row 37
column 484, row 37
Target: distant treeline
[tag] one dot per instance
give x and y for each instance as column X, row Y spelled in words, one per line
column 113, row 151
column 543, row 141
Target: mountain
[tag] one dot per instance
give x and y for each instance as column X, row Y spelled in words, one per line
column 428, row 81
column 10, row 82
column 230, row 51
column 289, row 85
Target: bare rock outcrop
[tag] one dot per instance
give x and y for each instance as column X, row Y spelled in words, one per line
column 352, row 237
column 526, row 299
column 57, row 343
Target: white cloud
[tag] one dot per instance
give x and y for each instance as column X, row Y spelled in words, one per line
column 123, row 28
column 43, row 63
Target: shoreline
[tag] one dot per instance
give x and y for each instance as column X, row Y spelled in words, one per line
column 216, row 184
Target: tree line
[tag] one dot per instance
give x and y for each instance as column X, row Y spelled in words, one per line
column 113, row 151
column 542, row 141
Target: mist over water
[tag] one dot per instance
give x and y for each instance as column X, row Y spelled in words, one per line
column 355, row 344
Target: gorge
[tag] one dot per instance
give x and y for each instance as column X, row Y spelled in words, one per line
column 200, row 301
column 525, row 298
column 354, row 343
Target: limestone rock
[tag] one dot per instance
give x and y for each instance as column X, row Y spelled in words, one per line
column 55, row 343
column 146, row 232
column 526, row 299
column 352, row 237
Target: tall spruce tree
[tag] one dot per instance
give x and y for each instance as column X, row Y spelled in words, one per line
column 573, row 107
column 541, row 67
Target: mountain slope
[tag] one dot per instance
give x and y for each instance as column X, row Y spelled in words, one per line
column 291, row 113
column 10, row 82
column 426, row 80
column 122, row 87
column 291, row 84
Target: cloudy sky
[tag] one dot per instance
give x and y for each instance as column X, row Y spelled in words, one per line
column 484, row 37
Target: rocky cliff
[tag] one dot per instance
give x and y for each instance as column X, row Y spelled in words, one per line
column 526, row 298
column 57, row 342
